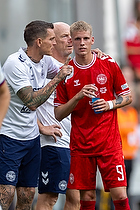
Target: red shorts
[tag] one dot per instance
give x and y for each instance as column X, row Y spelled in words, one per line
column 83, row 171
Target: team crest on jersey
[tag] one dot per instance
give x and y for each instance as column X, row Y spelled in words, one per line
column 63, row 185
column 124, row 86
column 11, row 176
column 71, row 178
column 101, row 79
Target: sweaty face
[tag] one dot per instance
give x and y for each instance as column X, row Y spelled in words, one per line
column 63, row 40
column 48, row 43
column 82, row 41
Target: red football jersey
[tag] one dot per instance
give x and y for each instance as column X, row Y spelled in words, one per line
column 132, row 39
column 93, row 134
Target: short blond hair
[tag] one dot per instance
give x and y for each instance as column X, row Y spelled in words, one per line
column 80, row 26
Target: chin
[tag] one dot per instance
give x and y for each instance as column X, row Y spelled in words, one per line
column 82, row 53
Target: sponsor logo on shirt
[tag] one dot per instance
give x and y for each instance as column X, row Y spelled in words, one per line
column 124, row 86
column 36, row 89
column 25, row 109
column 103, row 90
column 101, row 79
column 76, row 82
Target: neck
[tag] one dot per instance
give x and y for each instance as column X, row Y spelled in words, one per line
column 84, row 60
column 59, row 57
column 31, row 56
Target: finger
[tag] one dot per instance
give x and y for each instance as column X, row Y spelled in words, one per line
column 67, row 61
column 96, row 50
column 58, row 133
column 54, row 138
column 57, row 126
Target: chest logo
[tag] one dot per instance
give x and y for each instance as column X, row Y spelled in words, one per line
column 76, row 82
column 101, row 79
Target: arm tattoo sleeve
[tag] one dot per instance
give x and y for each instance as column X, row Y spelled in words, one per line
column 36, row 98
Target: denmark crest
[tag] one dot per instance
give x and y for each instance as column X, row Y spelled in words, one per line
column 101, row 79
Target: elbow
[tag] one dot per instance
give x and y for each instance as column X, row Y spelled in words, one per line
column 128, row 99
column 32, row 108
column 57, row 115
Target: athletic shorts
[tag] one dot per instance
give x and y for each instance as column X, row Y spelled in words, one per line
column 83, row 171
column 54, row 170
column 19, row 161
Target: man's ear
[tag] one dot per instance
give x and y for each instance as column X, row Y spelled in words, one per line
column 92, row 39
column 39, row 42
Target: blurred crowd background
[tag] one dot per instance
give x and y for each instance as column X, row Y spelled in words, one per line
column 116, row 28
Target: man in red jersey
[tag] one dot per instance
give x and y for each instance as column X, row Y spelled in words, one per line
column 95, row 138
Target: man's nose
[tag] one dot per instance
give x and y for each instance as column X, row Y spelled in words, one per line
column 82, row 42
column 69, row 40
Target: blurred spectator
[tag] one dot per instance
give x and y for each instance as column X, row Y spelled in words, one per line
column 132, row 42
column 132, row 46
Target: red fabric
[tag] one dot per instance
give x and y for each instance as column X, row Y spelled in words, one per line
column 83, row 171
column 87, row 205
column 122, row 204
column 93, row 134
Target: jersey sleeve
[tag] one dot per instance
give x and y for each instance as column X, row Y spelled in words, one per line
column 16, row 74
column 120, row 85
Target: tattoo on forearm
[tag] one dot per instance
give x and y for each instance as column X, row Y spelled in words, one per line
column 36, row 98
column 119, row 100
column 127, row 98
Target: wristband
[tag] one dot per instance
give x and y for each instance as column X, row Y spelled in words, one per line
column 110, row 104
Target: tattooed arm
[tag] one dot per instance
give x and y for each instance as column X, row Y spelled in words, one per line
column 33, row 99
column 119, row 102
